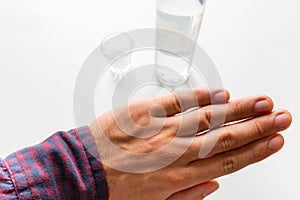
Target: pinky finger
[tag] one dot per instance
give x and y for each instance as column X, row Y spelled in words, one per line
column 197, row 192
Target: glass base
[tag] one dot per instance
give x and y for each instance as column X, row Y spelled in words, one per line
column 171, row 78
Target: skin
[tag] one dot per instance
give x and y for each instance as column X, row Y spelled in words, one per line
column 248, row 134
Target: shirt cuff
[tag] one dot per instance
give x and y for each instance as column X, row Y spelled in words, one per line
column 7, row 190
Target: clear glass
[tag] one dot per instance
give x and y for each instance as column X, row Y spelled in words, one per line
column 117, row 49
column 183, row 17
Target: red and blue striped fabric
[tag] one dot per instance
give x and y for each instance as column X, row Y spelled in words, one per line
column 64, row 166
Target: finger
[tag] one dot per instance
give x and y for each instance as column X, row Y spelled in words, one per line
column 175, row 103
column 229, row 162
column 240, row 134
column 196, row 192
column 212, row 116
column 237, row 135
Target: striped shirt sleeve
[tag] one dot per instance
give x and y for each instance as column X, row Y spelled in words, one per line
column 64, row 166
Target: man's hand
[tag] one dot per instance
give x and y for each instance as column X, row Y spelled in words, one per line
column 152, row 149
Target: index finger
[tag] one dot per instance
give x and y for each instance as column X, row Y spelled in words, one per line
column 178, row 102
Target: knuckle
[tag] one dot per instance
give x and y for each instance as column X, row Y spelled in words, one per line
column 259, row 129
column 176, row 102
column 159, row 141
column 227, row 141
column 138, row 115
column 230, row 164
column 152, row 144
column 256, row 155
column 205, row 119
column 168, row 155
column 238, row 109
column 172, row 125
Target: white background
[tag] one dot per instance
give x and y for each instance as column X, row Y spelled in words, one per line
column 255, row 45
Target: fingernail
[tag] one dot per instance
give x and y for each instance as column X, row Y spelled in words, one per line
column 282, row 121
column 275, row 143
column 219, row 97
column 210, row 189
column 262, row 106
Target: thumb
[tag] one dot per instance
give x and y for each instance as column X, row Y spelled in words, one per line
column 197, row 192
